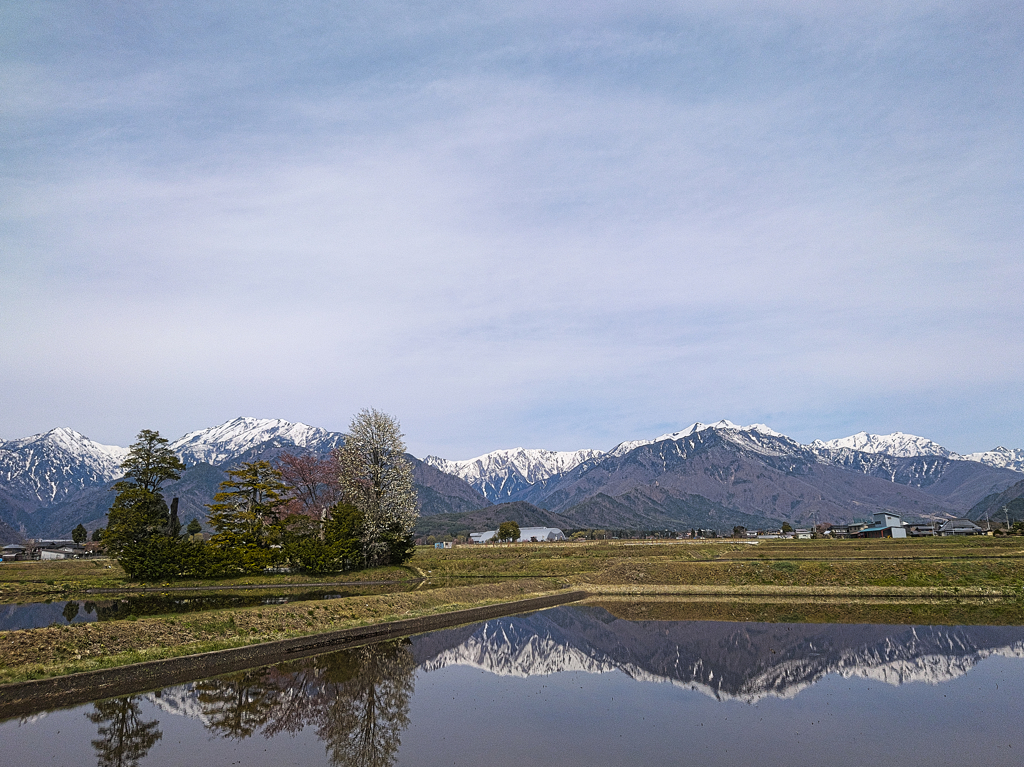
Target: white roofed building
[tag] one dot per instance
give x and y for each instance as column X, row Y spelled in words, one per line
column 526, row 535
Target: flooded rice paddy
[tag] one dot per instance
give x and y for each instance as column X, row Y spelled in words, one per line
column 576, row 685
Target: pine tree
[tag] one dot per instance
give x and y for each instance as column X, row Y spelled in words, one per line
column 377, row 479
column 138, row 518
column 80, row 534
column 245, row 516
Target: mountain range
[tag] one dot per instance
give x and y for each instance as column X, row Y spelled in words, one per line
column 707, row 476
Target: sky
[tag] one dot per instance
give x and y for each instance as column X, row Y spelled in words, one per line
column 557, row 225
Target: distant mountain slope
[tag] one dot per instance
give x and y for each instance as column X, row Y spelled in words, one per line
column 657, row 508
column 49, row 468
column 991, row 506
column 441, row 493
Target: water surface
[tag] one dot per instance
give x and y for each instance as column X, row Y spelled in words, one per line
column 577, row 686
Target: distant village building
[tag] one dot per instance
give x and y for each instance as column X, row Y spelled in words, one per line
column 74, row 551
column 847, row 531
column 14, row 553
column 885, row 526
column 526, row 535
column 960, row 526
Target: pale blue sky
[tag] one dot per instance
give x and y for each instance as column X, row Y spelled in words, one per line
column 514, row 223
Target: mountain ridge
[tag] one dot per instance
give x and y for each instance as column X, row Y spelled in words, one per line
column 706, row 475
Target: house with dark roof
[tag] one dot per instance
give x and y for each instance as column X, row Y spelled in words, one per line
column 13, row 552
column 960, row 526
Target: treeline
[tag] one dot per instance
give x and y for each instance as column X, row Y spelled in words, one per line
column 354, row 509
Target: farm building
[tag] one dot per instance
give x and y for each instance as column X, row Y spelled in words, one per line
column 885, row 526
column 526, row 535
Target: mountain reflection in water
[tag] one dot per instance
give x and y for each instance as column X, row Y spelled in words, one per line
column 726, row 660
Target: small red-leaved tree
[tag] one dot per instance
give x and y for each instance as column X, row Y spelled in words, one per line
column 314, row 484
column 322, row 532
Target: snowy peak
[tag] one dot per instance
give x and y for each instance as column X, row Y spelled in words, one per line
column 724, row 426
column 1000, row 458
column 898, row 444
column 531, row 464
column 503, row 473
column 71, row 442
column 48, row 468
column 221, row 444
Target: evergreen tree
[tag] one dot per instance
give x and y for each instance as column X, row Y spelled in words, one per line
column 138, row 519
column 508, row 531
column 80, row 535
column 245, row 516
column 326, row 546
column 377, row 479
column 194, row 527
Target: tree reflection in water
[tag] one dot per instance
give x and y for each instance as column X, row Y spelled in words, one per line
column 358, row 701
column 124, row 740
column 237, row 706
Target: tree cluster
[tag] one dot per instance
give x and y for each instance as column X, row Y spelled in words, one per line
column 354, row 509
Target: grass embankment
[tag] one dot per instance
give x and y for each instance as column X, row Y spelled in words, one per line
column 57, row 650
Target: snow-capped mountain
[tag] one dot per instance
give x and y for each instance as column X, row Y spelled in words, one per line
column 502, row 474
column 230, row 441
column 1000, row 458
column 897, row 443
column 52, row 466
column 519, row 473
